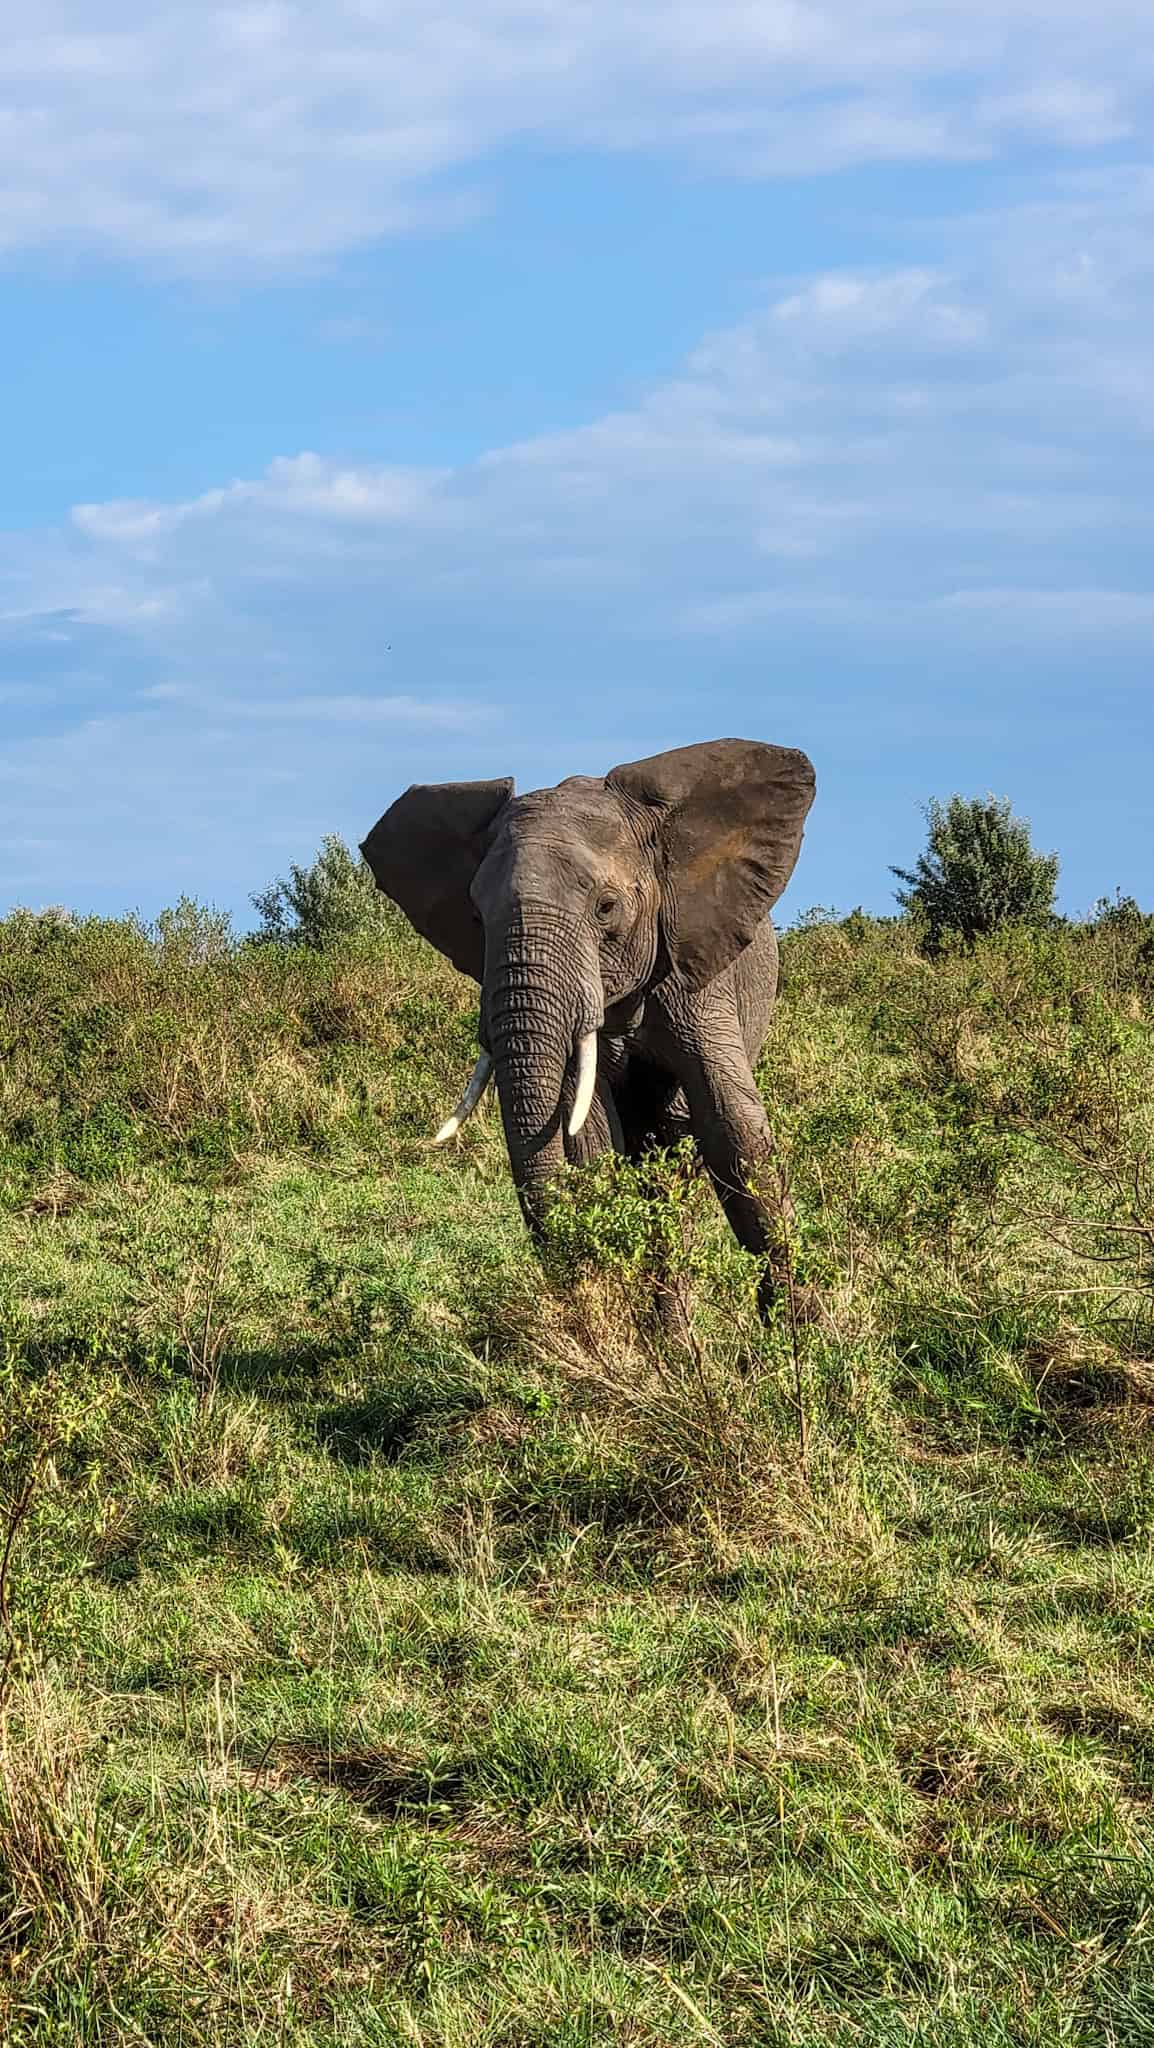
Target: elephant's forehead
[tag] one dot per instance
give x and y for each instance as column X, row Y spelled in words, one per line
column 580, row 810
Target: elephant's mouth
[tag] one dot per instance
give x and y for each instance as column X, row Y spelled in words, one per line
column 624, row 1015
column 482, row 1074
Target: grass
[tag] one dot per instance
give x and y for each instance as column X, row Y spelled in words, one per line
column 401, row 1646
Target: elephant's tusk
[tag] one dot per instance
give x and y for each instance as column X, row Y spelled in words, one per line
column 586, row 1081
column 478, row 1082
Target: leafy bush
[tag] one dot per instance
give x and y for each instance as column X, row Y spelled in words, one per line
column 194, row 932
column 978, row 872
column 333, row 901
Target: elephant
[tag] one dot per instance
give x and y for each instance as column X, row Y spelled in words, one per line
column 619, row 929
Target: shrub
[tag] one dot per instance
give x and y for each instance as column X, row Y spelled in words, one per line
column 334, row 900
column 1123, row 915
column 194, row 933
column 977, row 873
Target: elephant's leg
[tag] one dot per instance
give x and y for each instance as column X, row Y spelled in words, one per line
column 674, row 1124
column 704, row 1043
column 736, row 1144
column 645, row 1094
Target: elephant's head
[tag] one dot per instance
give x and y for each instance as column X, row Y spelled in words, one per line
column 569, row 905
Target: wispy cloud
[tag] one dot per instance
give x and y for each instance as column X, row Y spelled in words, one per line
column 304, row 483
column 262, row 135
column 436, row 715
column 1095, row 612
column 944, row 434
column 931, row 481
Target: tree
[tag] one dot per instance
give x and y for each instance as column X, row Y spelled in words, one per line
column 978, row 872
column 334, row 899
column 1120, row 914
column 194, row 931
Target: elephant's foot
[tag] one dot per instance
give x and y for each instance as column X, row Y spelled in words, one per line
column 670, row 1315
column 801, row 1301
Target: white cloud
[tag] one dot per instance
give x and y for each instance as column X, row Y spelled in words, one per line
column 304, row 483
column 946, row 433
column 1007, row 615
column 912, row 305
column 443, row 716
column 1097, row 612
column 898, row 508
column 231, row 138
column 1060, row 110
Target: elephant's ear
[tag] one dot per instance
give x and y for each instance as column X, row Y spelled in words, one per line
column 729, row 817
column 424, row 853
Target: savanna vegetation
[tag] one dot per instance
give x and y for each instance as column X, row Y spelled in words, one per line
column 400, row 1645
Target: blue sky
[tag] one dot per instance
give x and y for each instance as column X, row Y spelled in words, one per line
column 393, row 394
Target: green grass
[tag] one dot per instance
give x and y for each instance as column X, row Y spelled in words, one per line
column 399, row 1648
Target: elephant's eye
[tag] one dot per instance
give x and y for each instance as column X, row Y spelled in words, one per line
column 606, row 906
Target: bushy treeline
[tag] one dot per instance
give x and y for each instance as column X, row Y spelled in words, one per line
column 977, row 873
column 124, row 1042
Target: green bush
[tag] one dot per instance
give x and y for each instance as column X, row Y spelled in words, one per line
column 978, row 872
column 329, row 903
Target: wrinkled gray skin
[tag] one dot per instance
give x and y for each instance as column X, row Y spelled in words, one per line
column 636, row 906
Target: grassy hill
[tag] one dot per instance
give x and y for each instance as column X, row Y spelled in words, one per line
column 397, row 1648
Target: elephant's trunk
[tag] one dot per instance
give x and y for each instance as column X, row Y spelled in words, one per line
column 542, row 997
